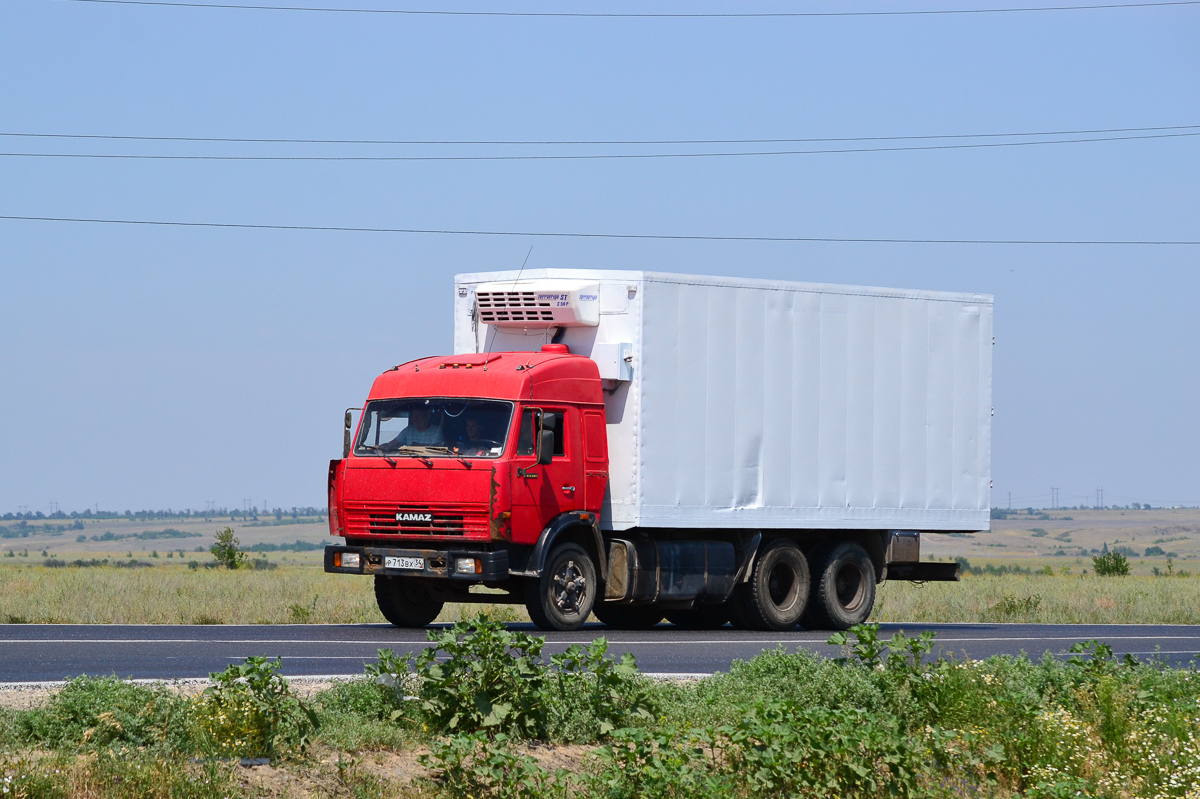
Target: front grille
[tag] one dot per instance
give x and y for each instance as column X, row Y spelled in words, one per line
column 435, row 520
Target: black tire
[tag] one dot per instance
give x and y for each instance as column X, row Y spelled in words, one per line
column 816, row 556
column 702, row 617
column 776, row 594
column 843, row 588
column 627, row 617
column 563, row 597
column 405, row 601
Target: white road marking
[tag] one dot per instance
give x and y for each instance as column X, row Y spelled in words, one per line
column 553, row 642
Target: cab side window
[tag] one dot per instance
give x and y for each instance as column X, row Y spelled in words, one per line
column 556, row 421
column 531, row 418
column 529, row 426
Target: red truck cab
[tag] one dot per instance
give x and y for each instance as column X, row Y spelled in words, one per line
column 476, row 470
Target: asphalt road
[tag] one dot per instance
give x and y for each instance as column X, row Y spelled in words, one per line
column 34, row 653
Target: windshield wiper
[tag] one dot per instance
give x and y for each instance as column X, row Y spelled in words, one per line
column 378, row 449
column 410, row 454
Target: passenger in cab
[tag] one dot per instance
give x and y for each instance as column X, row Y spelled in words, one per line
column 420, row 431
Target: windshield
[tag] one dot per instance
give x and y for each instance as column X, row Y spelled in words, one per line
column 434, row 428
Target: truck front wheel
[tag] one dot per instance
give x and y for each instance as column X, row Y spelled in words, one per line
column 405, row 601
column 777, row 591
column 844, row 589
column 563, row 597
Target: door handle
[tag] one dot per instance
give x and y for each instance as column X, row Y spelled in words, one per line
column 569, row 489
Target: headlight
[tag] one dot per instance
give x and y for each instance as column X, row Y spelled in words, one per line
column 346, row 560
column 467, row 566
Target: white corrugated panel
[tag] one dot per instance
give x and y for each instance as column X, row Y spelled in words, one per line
column 773, row 404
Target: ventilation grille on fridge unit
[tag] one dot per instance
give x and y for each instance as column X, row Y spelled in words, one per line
column 538, row 303
column 512, row 306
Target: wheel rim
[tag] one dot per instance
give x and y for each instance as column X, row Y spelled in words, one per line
column 569, row 587
column 782, row 585
column 850, row 585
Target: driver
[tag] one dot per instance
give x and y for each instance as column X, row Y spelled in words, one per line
column 472, row 442
column 420, row 431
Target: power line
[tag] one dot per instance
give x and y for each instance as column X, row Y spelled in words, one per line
column 822, row 140
column 617, row 15
column 576, row 235
column 582, row 157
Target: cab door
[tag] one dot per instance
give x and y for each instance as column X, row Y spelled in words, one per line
column 595, row 445
column 541, row 492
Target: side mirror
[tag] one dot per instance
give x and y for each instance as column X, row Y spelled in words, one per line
column 346, row 433
column 545, row 447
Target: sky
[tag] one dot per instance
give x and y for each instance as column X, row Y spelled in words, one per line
column 155, row 367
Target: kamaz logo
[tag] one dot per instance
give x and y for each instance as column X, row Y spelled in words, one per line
column 414, row 517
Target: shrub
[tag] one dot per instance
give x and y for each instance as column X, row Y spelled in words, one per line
column 783, row 749
column 227, row 550
column 1012, row 607
column 1110, row 564
column 801, row 676
column 360, row 714
column 476, row 767
column 654, row 765
column 480, row 676
column 595, row 694
column 492, row 678
column 103, row 711
column 250, row 711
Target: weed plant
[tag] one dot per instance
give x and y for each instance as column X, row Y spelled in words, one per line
column 362, row 714
column 888, row 718
column 478, row 676
column 90, row 713
column 251, row 712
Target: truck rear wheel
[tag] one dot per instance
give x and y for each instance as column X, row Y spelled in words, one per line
column 777, row 591
column 627, row 617
column 702, row 617
column 564, row 596
column 844, row 589
column 405, row 601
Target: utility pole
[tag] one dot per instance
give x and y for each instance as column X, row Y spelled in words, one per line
column 1010, row 500
column 1054, row 498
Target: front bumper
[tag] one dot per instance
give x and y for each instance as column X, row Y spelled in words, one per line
column 438, row 563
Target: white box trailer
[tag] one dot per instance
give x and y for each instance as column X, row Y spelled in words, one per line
column 735, row 403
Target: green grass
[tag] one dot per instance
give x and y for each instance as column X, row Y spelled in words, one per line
column 178, row 595
column 305, row 594
column 884, row 720
column 1060, row 599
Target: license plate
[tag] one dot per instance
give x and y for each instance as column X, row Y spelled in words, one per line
column 404, row 563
